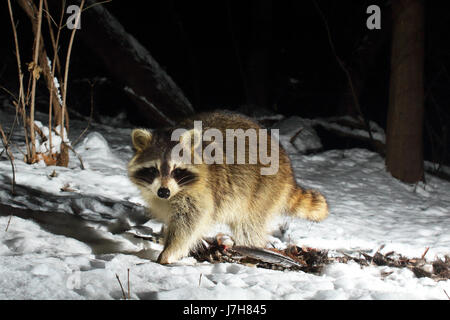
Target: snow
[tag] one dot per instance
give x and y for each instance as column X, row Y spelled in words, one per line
column 83, row 237
column 44, row 146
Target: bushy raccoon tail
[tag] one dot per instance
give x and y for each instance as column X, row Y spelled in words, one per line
column 307, row 204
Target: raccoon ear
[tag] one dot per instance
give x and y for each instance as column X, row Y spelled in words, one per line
column 141, row 138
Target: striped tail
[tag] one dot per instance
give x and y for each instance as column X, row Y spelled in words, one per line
column 307, row 204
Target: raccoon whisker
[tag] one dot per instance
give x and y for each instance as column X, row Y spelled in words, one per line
column 144, row 181
column 183, row 178
column 141, row 183
column 186, row 182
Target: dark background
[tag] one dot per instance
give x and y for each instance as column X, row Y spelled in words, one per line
column 204, row 46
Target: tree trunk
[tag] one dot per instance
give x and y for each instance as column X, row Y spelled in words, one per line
column 404, row 154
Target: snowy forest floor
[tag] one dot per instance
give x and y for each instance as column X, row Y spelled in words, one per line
column 67, row 232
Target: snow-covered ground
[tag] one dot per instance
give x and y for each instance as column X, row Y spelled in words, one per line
column 79, row 239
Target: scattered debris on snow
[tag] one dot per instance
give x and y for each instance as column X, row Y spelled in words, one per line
column 68, row 232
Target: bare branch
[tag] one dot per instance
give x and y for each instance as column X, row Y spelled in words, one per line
column 54, row 65
column 66, row 72
column 347, row 73
column 35, row 75
column 21, row 98
column 121, row 287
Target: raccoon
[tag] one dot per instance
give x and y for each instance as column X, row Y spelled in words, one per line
column 190, row 198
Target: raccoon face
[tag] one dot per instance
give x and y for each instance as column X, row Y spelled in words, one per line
column 162, row 179
column 152, row 168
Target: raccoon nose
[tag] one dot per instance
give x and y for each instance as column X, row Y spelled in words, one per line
column 163, row 193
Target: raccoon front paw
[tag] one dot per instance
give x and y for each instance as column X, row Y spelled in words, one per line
column 165, row 258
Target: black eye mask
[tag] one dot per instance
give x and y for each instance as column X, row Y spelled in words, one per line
column 183, row 176
column 147, row 174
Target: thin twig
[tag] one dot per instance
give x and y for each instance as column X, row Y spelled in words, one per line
column 78, row 156
column 32, row 12
column 35, row 77
column 128, row 272
column 54, row 65
column 8, row 92
column 66, row 72
column 446, row 294
column 121, row 287
column 52, row 34
column 90, row 116
column 88, row 7
column 73, row 150
column 424, row 254
column 347, row 73
column 95, row 4
column 292, row 139
column 21, row 99
column 7, row 225
column 49, row 16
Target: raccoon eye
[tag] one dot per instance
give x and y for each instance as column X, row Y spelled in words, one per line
column 183, row 176
column 178, row 173
column 147, row 174
column 152, row 170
